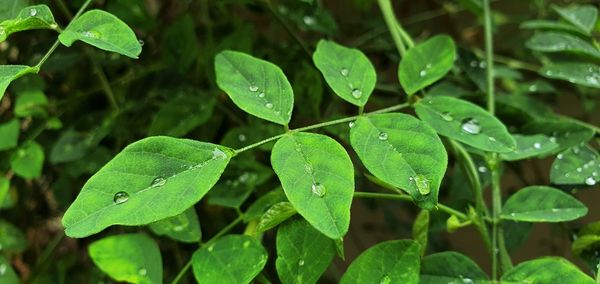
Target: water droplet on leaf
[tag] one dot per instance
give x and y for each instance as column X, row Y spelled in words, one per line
column 344, row 72
column 309, row 20
column 447, row 116
column 482, row 169
column 269, row 105
column 261, row 95
column 158, row 181
column 590, row 181
column 471, row 126
column 253, row 88
column 142, row 271
column 383, row 136
column 351, row 124
column 422, row 73
column 537, row 145
column 242, row 137
column 385, row 280
column 318, row 189
column 246, row 244
column 120, row 197
column 32, row 12
column 422, row 184
column 218, row 154
column 356, row 93
column 301, row 262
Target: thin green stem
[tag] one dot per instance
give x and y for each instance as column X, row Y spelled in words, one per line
column 392, row 23
column 405, row 197
column 489, row 56
column 110, row 95
column 322, row 124
column 498, row 232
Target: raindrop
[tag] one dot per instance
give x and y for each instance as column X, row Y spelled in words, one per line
column 532, row 88
column 32, row 12
column 120, row 197
column 467, row 281
column 210, row 248
column 344, row 72
column 383, row 136
column 559, row 156
column 423, row 73
column 142, row 271
column 218, row 154
column 553, row 139
column 351, row 124
column 537, row 145
column 309, row 20
column 253, row 88
column 473, row 63
column 269, row 105
column 178, row 228
column 242, row 137
column 2, row 269
column 318, row 189
column 158, row 181
column 356, row 93
column 482, row 169
column 447, row 116
column 554, row 210
column 590, row 181
column 482, row 64
column 301, row 262
column 492, row 139
column 422, row 184
column 578, row 170
column 576, row 150
column 91, row 34
column 595, row 174
column 246, row 244
column 261, row 95
column 471, row 126
column 141, row 42
column 549, row 72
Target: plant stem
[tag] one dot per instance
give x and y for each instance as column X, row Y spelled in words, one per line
column 222, row 232
column 489, row 58
column 505, row 262
column 405, row 197
column 392, row 23
column 105, row 84
column 322, row 124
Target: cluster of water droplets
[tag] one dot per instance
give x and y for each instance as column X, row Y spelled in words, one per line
column 355, row 92
column 592, row 77
column 91, row 34
column 261, row 94
column 480, row 64
column 385, row 280
column 423, row 72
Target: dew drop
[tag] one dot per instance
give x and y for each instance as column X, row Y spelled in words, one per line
column 242, row 137
column 492, row 139
column 351, row 124
column 301, row 262
column 309, row 20
column 158, row 181
column 579, row 170
column 559, row 156
column 246, row 244
column 482, row 169
column 344, row 72
column 383, row 136
column 471, row 126
column 2, row 269
column 141, row 42
column 142, row 271
column 318, row 189
column 447, row 116
column 467, row 281
column 537, row 145
column 32, row 12
column 218, row 154
column 385, row 280
column 261, row 95
column 473, row 63
column 553, row 139
column 590, row 181
column 554, row 209
column 576, row 150
column 253, row 88
column 422, row 184
column 91, row 34
column 178, row 228
column 356, row 93
column 210, row 248
column 423, row 73
column 269, row 105
column 482, row 64
column 120, row 197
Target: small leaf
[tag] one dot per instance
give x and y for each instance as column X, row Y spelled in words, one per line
column 546, row 270
column 415, row 165
column 151, row 179
column 529, row 146
column 577, row 165
column 565, row 133
column 562, row 42
column 9, row 73
column 28, row 160
column 31, row 103
column 9, row 132
column 6, row 200
column 386, row 262
column 585, row 242
column 133, row 258
column 542, row 204
column 581, row 73
column 426, row 63
column 450, row 267
column 420, row 230
column 104, row 31
column 581, row 16
column 318, row 178
column 347, row 71
column 11, row 238
column 303, row 253
column 234, row 259
column 465, row 122
column 552, row 25
column 7, row 274
column 181, row 114
column 256, row 86
column 263, row 203
column 184, row 227
column 275, row 215
column 29, row 18
column 238, row 181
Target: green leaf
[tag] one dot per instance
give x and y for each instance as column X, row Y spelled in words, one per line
column 182, row 114
column 420, row 230
column 585, row 242
column 561, row 42
column 151, row 179
column 184, row 227
column 11, row 8
column 551, row 25
column 234, row 259
column 240, row 179
column 577, row 165
column 565, row 133
column 318, row 178
column 31, row 103
column 515, row 233
column 581, row 73
column 29, row 18
column 70, row 146
column 450, row 267
column 529, row 146
column 28, row 160
column 303, row 253
column 11, row 238
column 275, row 215
column 6, row 200
column 256, row 86
column 347, row 71
column 9, row 132
column 546, row 270
column 542, row 204
column 465, row 122
column 133, row 258
column 180, row 43
column 386, row 262
column 9, row 73
column 415, row 165
column 581, row 16
column 426, row 63
column 263, row 203
column 7, row 274
column 104, row 31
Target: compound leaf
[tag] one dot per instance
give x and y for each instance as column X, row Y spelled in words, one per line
column 542, row 204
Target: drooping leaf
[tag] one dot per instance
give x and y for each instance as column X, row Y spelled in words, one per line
column 347, row 71
column 465, row 122
column 426, row 63
column 104, row 31
column 562, row 42
column 581, row 16
column 450, row 267
column 415, row 165
column 275, row 215
column 133, row 258
column 542, row 204
column 7, row 274
column 581, row 73
column 318, row 178
column 182, row 114
column 28, row 160
column 184, row 227
column 29, row 18
column 565, row 133
column 386, row 262
column 552, row 25
column 420, row 230
column 234, row 259
column 11, row 238
column 263, row 203
column 9, row 132
column 546, row 270
column 151, row 179
column 256, row 86
column 529, row 146
column 303, row 253
column 576, row 165
column 9, row 73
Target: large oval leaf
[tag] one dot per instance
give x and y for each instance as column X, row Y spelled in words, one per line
column 29, row 18
column 257, row 86
column 450, row 267
column 184, row 227
column 402, row 151
column 303, row 253
column 318, row 178
column 234, row 259
column 102, row 30
column 133, row 258
column 386, row 262
column 542, row 204
column 546, row 270
column 529, row 146
column 151, row 179
column 562, row 42
column 581, row 73
column 577, row 165
column 426, row 63
column 465, row 122
column 347, row 71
